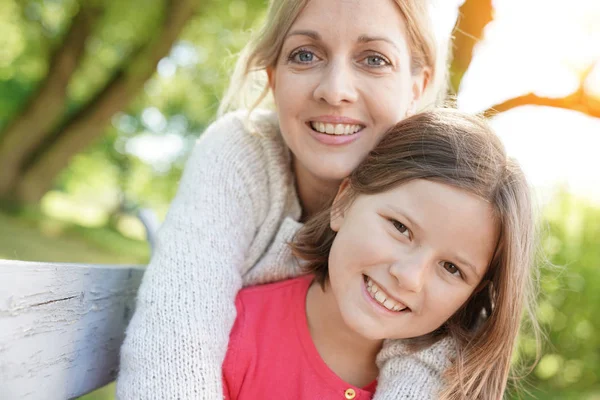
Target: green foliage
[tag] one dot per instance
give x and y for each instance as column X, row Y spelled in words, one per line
column 568, row 308
column 178, row 102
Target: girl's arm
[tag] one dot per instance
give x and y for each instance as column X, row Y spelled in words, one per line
column 412, row 376
column 177, row 338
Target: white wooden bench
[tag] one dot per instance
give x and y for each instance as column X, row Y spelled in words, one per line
column 61, row 327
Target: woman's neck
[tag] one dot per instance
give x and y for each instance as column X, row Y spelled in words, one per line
column 314, row 193
column 349, row 355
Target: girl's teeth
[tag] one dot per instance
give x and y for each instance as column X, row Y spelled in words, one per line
column 335, row 129
column 376, row 293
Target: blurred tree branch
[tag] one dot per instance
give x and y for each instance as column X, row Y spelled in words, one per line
column 47, row 106
column 57, row 146
column 576, row 101
column 473, row 17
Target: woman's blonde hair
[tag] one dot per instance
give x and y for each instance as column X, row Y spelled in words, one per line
column 449, row 147
column 249, row 84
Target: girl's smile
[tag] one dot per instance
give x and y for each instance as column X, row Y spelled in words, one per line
column 381, row 299
column 405, row 260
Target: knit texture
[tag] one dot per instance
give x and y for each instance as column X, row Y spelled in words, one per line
column 228, row 226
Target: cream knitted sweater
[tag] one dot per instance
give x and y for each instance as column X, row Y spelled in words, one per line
column 228, row 226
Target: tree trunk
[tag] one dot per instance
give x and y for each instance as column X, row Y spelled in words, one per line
column 473, row 17
column 89, row 123
column 47, row 106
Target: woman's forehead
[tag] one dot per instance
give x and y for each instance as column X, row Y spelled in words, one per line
column 352, row 19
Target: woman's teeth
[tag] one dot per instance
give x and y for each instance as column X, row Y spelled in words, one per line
column 379, row 296
column 335, row 129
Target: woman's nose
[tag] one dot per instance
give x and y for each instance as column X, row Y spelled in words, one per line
column 336, row 85
column 411, row 272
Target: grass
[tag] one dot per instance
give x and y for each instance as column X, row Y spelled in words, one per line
column 56, row 241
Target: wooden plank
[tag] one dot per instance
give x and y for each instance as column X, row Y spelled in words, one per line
column 61, row 326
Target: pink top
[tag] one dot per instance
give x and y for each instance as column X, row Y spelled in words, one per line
column 271, row 354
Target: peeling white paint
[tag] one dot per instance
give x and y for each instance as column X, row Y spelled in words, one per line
column 61, row 326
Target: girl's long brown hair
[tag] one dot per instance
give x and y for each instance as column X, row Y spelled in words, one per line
column 460, row 150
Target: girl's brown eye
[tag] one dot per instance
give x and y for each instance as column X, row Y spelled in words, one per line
column 453, row 269
column 400, row 227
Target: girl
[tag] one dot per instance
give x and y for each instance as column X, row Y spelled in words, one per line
column 429, row 239
column 340, row 73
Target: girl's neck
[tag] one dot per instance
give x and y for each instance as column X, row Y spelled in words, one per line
column 314, row 193
column 349, row 355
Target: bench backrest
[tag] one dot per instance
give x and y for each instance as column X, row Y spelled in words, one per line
column 61, row 326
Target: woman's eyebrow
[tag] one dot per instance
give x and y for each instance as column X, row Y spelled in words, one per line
column 311, row 34
column 361, row 39
column 367, row 39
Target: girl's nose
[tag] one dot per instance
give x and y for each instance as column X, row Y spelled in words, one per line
column 411, row 271
column 336, row 86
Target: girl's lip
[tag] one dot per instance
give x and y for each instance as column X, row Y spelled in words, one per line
column 378, row 307
column 385, row 291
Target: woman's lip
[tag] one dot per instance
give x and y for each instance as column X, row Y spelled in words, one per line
column 336, row 119
column 334, row 140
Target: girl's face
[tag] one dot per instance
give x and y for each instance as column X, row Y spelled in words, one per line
column 342, row 79
column 404, row 261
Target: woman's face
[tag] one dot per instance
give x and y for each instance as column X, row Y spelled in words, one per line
column 342, row 79
column 404, row 261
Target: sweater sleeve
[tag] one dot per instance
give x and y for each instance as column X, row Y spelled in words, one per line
column 177, row 339
column 408, row 375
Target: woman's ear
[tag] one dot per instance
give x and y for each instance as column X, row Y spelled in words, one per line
column 419, row 85
column 336, row 216
column 271, row 77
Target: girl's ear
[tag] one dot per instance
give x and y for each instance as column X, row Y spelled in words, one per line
column 271, row 77
column 336, row 215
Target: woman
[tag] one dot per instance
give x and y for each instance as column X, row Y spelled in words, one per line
column 340, row 73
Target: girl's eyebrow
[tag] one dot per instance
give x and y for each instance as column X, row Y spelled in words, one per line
column 412, row 222
column 467, row 264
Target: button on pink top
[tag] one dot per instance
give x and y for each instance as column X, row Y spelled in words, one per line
column 271, row 354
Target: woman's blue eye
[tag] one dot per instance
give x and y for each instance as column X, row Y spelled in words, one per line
column 376, row 61
column 302, row 57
